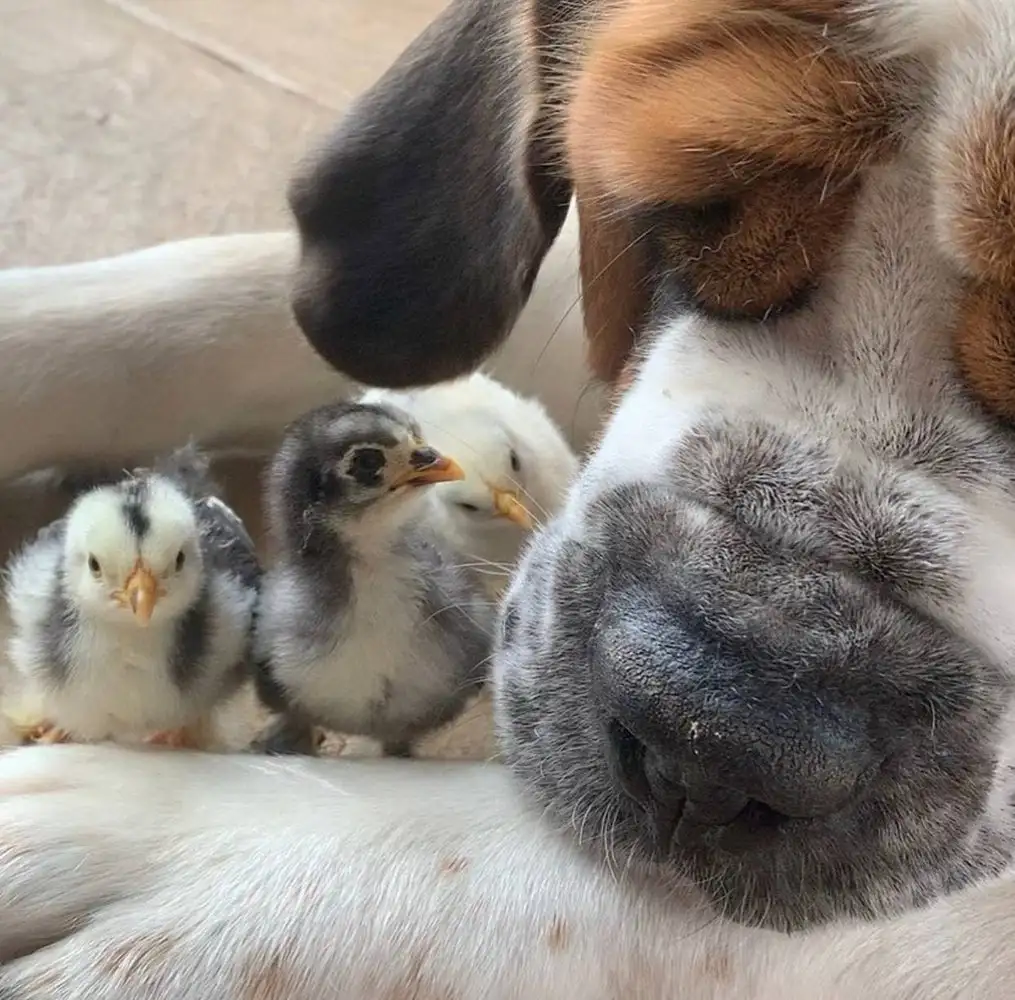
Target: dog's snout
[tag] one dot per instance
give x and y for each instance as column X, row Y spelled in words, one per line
column 721, row 749
column 388, row 289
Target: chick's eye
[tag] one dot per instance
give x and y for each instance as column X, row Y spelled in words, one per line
column 365, row 466
column 471, row 507
column 516, row 464
column 93, row 565
column 181, row 558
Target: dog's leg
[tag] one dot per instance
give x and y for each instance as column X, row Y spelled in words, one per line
column 113, row 359
column 134, row 875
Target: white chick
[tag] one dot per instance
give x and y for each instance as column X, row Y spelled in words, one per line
column 517, row 466
column 132, row 614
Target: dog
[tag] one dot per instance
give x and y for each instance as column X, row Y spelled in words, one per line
column 756, row 678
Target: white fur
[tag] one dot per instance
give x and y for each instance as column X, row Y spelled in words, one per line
column 479, row 421
column 215, row 877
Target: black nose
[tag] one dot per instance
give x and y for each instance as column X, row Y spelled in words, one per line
column 383, row 289
column 715, row 744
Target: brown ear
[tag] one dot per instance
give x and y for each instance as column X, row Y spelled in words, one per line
column 615, row 268
column 973, row 158
column 742, row 126
column 425, row 218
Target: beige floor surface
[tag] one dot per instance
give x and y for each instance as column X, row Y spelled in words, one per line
column 128, row 122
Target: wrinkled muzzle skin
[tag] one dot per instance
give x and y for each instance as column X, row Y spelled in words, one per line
column 767, row 649
column 662, row 672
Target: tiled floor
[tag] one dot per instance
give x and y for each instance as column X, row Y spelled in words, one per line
column 128, row 122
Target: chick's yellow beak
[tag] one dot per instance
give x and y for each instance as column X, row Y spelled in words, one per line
column 141, row 592
column 426, row 466
column 508, row 505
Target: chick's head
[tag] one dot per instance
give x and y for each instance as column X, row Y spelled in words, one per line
column 517, row 463
column 348, row 461
column 132, row 552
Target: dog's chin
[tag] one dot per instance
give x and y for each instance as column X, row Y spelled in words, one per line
column 911, row 837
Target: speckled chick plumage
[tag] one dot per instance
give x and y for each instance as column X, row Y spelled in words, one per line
column 132, row 614
column 512, row 453
column 369, row 624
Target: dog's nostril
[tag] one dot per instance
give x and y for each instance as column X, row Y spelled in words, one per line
column 627, row 761
column 645, row 779
column 756, row 824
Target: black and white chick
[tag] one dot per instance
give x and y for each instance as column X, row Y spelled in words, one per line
column 368, row 623
column 516, row 461
column 132, row 615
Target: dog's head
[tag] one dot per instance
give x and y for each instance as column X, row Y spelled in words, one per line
column 766, row 646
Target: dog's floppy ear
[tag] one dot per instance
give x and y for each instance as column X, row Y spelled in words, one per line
column 972, row 144
column 734, row 134
column 426, row 217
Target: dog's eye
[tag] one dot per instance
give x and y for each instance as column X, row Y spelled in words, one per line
column 471, row 507
column 516, row 464
column 93, row 565
column 181, row 558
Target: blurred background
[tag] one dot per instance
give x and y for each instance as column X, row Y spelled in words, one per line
column 129, row 122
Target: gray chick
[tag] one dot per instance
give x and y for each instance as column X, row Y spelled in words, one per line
column 369, row 623
column 132, row 615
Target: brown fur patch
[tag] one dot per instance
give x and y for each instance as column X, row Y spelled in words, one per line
column 985, row 346
column 687, row 102
column 267, row 978
column 738, row 127
column 558, row 935
column 453, row 866
column 613, row 260
column 143, row 958
column 752, row 254
column 976, row 194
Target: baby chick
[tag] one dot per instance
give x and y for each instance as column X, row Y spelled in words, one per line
column 132, row 614
column 368, row 623
column 516, row 462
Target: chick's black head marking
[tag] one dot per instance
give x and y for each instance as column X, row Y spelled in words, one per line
column 135, row 507
column 337, row 461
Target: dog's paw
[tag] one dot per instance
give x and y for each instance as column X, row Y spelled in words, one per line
column 119, row 879
column 135, row 874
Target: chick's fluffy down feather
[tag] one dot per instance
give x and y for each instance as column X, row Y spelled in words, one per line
column 504, row 442
column 84, row 664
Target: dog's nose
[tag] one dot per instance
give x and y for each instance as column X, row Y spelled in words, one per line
column 715, row 748
column 379, row 290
